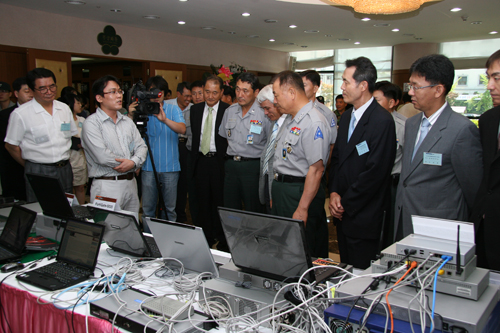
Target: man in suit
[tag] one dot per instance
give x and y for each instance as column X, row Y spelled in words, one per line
column 361, row 165
column 486, row 210
column 208, row 156
column 442, row 161
column 266, row 101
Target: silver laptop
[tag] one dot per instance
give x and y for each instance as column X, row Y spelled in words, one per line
column 184, row 242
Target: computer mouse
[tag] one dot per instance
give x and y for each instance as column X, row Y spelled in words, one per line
column 15, row 266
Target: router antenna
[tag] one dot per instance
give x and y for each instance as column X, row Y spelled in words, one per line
column 459, row 269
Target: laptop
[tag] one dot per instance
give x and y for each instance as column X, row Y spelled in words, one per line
column 76, row 258
column 15, row 233
column 52, row 199
column 270, row 246
column 184, row 242
column 122, row 233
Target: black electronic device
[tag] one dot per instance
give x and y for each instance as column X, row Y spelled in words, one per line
column 15, row 233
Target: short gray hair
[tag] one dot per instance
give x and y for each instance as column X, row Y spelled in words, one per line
column 266, row 93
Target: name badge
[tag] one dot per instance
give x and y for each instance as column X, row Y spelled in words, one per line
column 433, row 159
column 255, row 129
column 362, row 148
column 80, row 124
column 65, row 127
column 250, row 139
column 104, row 202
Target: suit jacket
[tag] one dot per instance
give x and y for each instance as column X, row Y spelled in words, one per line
column 362, row 180
column 220, row 142
column 445, row 191
column 487, row 201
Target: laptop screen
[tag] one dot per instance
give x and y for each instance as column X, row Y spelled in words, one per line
column 50, row 195
column 17, row 228
column 266, row 245
column 122, row 232
column 80, row 243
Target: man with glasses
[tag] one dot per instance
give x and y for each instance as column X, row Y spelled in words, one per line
column 113, row 147
column 442, row 160
column 39, row 132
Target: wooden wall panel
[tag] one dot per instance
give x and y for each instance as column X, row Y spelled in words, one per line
column 400, row 77
column 13, row 64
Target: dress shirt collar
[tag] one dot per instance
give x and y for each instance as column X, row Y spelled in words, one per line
column 303, row 111
column 434, row 117
column 103, row 116
column 358, row 113
column 215, row 107
column 39, row 108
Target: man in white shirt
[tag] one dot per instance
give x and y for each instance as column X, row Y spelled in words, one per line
column 39, row 132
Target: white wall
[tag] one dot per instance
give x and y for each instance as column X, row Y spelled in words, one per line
column 41, row 30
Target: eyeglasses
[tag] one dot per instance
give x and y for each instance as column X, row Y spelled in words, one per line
column 44, row 90
column 410, row 87
column 114, row 92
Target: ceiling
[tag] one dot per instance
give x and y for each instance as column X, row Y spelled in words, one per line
column 319, row 24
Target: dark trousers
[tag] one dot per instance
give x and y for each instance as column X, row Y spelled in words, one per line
column 241, row 185
column 209, row 180
column 389, row 223
column 12, row 177
column 182, row 185
column 286, row 197
column 356, row 251
column 64, row 174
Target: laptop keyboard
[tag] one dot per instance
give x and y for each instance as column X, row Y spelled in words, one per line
column 64, row 272
column 82, row 212
column 154, row 248
column 4, row 253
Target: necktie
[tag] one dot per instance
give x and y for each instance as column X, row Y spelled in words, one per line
column 207, row 133
column 351, row 126
column 270, row 148
column 424, row 129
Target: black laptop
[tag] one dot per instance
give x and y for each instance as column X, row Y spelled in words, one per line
column 123, row 234
column 15, row 233
column 270, row 246
column 53, row 200
column 76, row 259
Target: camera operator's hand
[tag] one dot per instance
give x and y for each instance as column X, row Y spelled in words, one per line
column 125, row 165
column 132, row 108
column 161, row 116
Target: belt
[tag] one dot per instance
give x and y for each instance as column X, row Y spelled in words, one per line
column 182, row 139
column 241, row 158
column 289, row 179
column 127, row 176
column 209, row 154
column 59, row 164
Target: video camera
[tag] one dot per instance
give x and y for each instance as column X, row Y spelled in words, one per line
column 142, row 96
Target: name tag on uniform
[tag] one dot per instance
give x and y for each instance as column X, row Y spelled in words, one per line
column 362, row 148
column 255, row 129
column 250, row 139
column 433, row 159
column 80, row 124
column 65, row 127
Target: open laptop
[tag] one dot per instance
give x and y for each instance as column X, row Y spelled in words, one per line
column 50, row 195
column 269, row 246
column 76, row 259
column 122, row 233
column 15, row 233
column 184, row 242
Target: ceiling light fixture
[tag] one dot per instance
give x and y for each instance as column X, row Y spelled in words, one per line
column 181, row 22
column 151, row 17
column 357, row 43
column 245, row 14
column 183, row 0
column 366, row 19
column 456, row 9
column 272, row 40
column 271, row 21
column 115, row 10
column 75, row 2
column 293, row 26
column 493, row 32
column 232, row 32
column 328, row 35
column 311, row 31
column 477, row 22
column 395, row 30
column 208, row 28
column 385, row 7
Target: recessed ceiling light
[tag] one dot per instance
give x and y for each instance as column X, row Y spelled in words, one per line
column 75, row 2
column 343, row 39
column 395, row 30
column 181, row 22
column 151, row 17
column 456, row 9
column 293, row 26
column 271, row 21
column 311, row 31
column 272, row 40
column 253, row 36
column 116, row 10
column 493, row 32
column 183, row 0
column 245, row 14
column 303, row 46
column 208, row 28
column 477, row 22
column 328, row 36
column 357, row 43
column 231, row 32
column 366, row 19
column 378, row 25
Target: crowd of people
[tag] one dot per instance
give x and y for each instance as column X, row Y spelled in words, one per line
column 273, row 149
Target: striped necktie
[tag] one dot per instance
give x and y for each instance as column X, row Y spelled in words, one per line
column 270, row 148
column 424, row 129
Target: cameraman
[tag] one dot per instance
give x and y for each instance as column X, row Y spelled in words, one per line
column 162, row 130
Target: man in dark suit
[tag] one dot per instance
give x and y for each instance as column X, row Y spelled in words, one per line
column 486, row 210
column 442, row 160
column 361, row 165
column 208, row 156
